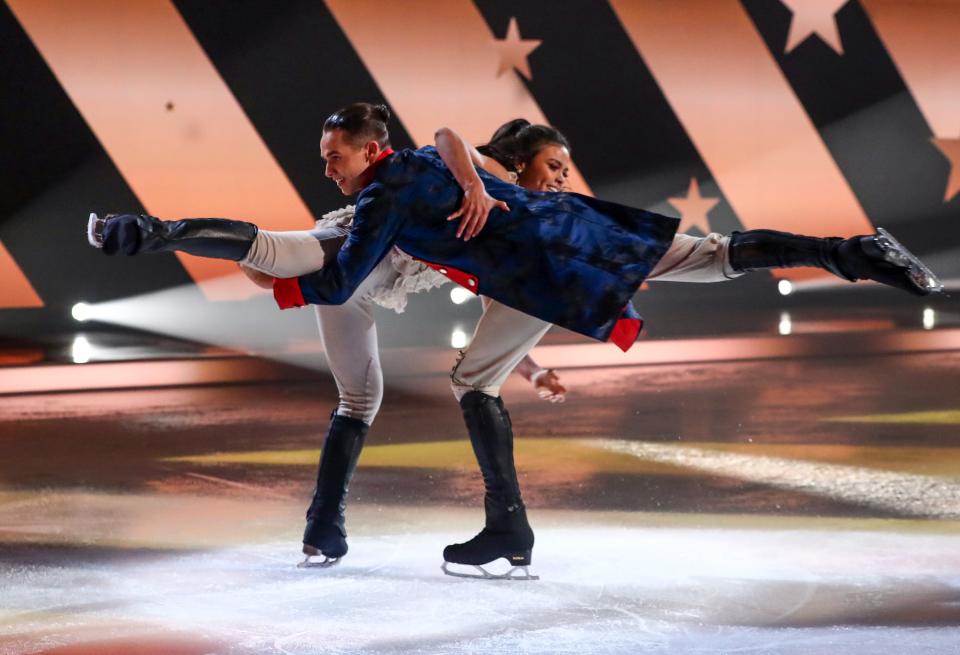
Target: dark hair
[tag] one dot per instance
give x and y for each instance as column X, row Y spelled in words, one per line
column 363, row 122
column 518, row 141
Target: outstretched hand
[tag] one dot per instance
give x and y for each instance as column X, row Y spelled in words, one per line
column 476, row 208
column 549, row 388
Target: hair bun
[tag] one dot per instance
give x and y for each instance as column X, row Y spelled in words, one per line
column 381, row 112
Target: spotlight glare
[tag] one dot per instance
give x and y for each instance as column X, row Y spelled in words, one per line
column 929, row 318
column 785, row 287
column 82, row 350
column 786, row 326
column 459, row 295
column 82, row 312
column 458, row 339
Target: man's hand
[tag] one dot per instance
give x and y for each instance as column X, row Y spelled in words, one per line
column 476, row 207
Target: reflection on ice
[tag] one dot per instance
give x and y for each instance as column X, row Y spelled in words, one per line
column 604, row 589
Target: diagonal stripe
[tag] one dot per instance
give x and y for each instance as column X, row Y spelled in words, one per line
column 121, row 64
column 921, row 37
column 743, row 117
column 16, row 290
column 440, row 69
column 903, row 493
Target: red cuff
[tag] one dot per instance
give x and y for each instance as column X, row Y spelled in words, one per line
column 625, row 332
column 286, row 291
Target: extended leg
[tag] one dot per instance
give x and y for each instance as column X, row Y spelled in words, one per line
column 878, row 257
column 349, row 337
column 503, row 336
column 134, row 234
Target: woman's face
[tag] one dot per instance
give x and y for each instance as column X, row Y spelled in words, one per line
column 345, row 162
column 548, row 170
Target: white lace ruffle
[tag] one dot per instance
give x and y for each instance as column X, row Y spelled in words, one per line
column 413, row 276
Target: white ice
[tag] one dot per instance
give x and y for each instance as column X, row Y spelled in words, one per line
column 604, row 589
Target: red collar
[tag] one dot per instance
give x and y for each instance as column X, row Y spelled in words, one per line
column 366, row 177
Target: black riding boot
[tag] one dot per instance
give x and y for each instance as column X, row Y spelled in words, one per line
column 507, row 533
column 326, row 532
column 878, row 257
column 133, row 234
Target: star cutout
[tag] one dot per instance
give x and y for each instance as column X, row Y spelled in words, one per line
column 514, row 51
column 814, row 17
column 693, row 209
column 951, row 150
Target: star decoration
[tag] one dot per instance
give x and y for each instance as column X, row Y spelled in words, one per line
column 951, row 150
column 814, row 17
column 514, row 51
column 693, row 209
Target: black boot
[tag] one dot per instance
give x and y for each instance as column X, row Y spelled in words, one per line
column 507, row 533
column 878, row 257
column 133, row 234
column 326, row 532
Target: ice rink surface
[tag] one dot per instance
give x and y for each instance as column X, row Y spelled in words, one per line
column 604, row 589
column 800, row 506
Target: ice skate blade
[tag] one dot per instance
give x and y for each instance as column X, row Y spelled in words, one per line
column 95, row 230
column 325, row 564
column 486, row 575
column 897, row 254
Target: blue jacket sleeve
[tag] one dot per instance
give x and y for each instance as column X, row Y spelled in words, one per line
column 376, row 226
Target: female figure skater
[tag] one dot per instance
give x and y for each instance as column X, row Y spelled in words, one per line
column 589, row 258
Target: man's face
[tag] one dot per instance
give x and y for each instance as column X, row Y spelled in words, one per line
column 346, row 162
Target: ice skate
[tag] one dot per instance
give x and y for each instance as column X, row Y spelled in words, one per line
column 882, row 244
column 507, row 534
column 515, row 573
column 468, row 559
column 95, row 227
column 135, row 234
column 326, row 534
column 311, row 552
column 878, row 257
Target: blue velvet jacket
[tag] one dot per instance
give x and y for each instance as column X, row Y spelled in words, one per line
column 566, row 258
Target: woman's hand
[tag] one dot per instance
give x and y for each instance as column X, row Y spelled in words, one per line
column 262, row 280
column 476, row 208
column 548, row 387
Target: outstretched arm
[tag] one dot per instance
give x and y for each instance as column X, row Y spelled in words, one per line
column 544, row 380
column 461, row 158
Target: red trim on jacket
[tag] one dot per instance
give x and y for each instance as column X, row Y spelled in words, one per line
column 366, row 177
column 625, row 332
column 287, row 293
column 466, row 280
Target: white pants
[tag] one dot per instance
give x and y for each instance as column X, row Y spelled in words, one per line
column 348, row 331
column 504, row 335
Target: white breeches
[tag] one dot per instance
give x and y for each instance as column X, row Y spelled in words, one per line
column 504, row 335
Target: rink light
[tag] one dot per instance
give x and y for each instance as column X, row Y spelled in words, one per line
column 459, row 295
column 81, row 312
column 785, row 287
column 458, row 339
column 786, row 326
column 82, row 350
column 929, row 318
